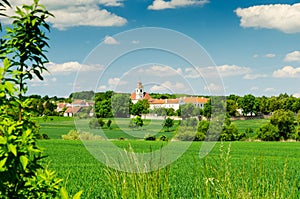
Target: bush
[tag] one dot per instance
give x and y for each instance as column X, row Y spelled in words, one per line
column 75, row 135
column 150, row 138
column 72, row 135
column 168, row 123
column 108, row 124
column 163, row 138
column 95, row 123
column 186, row 136
column 136, row 122
column 268, row 132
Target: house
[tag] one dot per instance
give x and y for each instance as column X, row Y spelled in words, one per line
column 71, row 111
column 197, row 101
column 139, row 94
column 164, row 103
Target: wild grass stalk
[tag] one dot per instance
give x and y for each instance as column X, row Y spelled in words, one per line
column 137, row 181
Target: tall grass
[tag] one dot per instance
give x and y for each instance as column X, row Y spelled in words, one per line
column 139, row 181
column 214, row 177
column 252, row 178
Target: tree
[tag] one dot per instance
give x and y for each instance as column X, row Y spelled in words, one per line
column 284, row 121
column 103, row 109
column 187, row 110
column 120, row 104
column 249, row 104
column 264, row 105
column 22, row 174
column 136, row 122
column 168, row 123
column 231, row 107
column 268, row 132
column 141, row 107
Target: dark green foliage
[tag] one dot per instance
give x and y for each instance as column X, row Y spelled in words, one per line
column 120, row 104
column 162, row 96
column 284, row 120
column 163, row 138
column 150, row 138
column 141, row 107
column 136, row 122
column 268, row 132
column 96, row 123
column 84, row 95
column 168, row 123
column 249, row 104
column 103, row 107
column 231, row 107
column 108, row 124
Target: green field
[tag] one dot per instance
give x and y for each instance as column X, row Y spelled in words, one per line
column 260, row 169
column 249, row 170
column 55, row 127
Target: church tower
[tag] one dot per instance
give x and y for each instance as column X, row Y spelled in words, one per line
column 139, row 93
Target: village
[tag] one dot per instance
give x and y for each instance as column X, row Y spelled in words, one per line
column 82, row 105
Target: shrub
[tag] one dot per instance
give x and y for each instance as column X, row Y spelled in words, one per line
column 136, row 122
column 108, row 124
column 268, row 132
column 150, row 138
column 76, row 135
column 163, row 138
column 72, row 135
column 168, row 123
column 89, row 136
column 95, row 123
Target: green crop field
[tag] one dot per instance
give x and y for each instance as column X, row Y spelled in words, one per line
column 254, row 124
column 55, row 127
column 249, row 170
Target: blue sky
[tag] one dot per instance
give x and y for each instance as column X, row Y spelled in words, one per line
column 254, row 46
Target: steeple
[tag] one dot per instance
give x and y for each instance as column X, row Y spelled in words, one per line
column 139, row 91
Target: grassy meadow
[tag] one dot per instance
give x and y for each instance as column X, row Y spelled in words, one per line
column 230, row 170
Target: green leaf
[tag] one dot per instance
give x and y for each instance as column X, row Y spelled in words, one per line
column 64, row 193
column 12, row 148
column 2, row 163
column 77, row 195
column 24, row 161
column 2, row 140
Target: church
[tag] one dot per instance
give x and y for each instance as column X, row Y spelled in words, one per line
column 140, row 94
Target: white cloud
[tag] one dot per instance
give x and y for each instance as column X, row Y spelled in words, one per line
column 113, row 82
column 283, row 17
column 296, row 95
column 135, row 42
column 293, row 56
column 270, row 55
column 287, row 72
column 160, row 71
column 254, row 76
column 110, row 40
column 270, row 90
column 76, row 13
column 162, row 4
column 212, row 71
column 255, row 56
column 169, row 87
column 254, row 88
column 69, row 67
column 102, row 88
column 212, row 87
